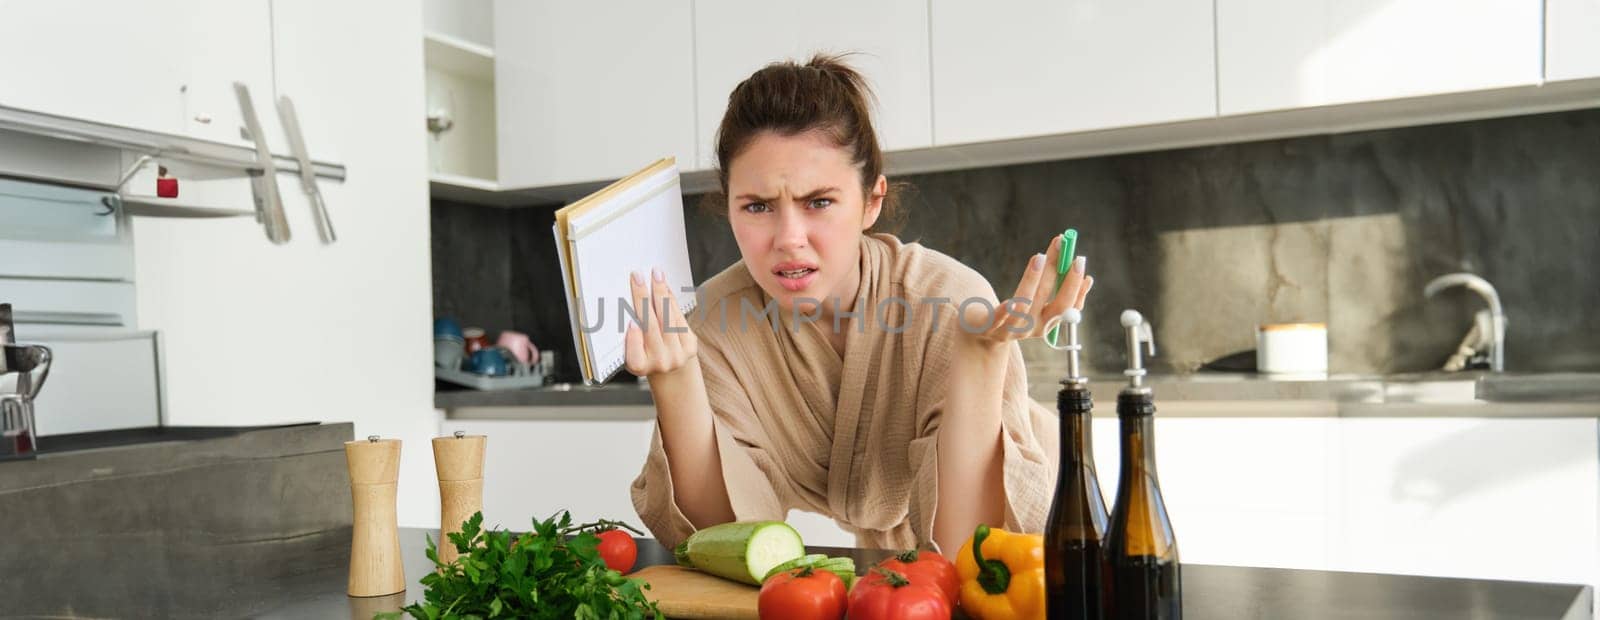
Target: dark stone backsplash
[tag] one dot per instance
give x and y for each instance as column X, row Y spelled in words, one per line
column 1208, row 243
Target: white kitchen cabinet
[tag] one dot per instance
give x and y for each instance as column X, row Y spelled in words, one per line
column 113, row 62
column 733, row 39
column 1512, row 499
column 1266, row 54
column 534, row 468
column 1572, row 39
column 1275, row 54
column 1484, row 498
column 98, row 381
column 591, row 91
column 227, row 42
column 164, row 66
column 1038, row 67
column 1237, row 489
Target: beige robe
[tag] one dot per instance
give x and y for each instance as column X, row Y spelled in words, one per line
column 798, row 427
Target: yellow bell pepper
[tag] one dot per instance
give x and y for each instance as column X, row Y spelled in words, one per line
column 1009, row 583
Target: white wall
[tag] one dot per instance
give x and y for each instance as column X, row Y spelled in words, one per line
column 260, row 334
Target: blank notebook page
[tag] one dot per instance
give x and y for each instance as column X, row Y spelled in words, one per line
column 637, row 227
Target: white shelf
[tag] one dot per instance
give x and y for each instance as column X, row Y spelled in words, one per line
column 492, row 193
column 458, row 56
column 155, row 206
column 463, row 188
column 457, row 180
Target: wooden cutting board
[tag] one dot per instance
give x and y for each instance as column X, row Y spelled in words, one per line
column 687, row 593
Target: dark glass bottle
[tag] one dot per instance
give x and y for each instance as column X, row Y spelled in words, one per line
column 1142, row 550
column 1075, row 535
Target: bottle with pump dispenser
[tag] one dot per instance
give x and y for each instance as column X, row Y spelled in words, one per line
column 1142, row 550
column 1075, row 536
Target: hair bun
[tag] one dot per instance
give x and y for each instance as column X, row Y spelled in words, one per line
column 825, row 94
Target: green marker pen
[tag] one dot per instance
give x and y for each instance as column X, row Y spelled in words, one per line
column 1069, row 247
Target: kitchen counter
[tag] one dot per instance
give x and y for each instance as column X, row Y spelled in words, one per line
column 1200, row 395
column 314, row 588
column 617, row 394
column 172, row 522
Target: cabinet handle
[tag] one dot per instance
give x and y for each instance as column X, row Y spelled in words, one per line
column 203, row 119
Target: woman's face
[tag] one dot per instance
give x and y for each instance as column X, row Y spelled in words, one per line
column 798, row 210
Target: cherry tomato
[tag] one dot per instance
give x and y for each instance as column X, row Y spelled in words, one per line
column 802, row 594
column 888, row 595
column 618, row 550
column 927, row 567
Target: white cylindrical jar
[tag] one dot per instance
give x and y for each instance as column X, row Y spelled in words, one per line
column 1292, row 349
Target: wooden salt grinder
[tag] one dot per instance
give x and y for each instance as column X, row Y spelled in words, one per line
column 375, row 564
column 459, row 461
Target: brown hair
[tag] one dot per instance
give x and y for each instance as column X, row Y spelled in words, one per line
column 788, row 98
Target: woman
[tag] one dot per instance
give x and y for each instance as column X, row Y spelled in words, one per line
column 829, row 370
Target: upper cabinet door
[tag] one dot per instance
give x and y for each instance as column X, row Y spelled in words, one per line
column 733, row 39
column 588, row 91
column 164, row 65
column 229, row 42
column 1280, row 54
column 1033, row 67
column 1267, row 53
column 1572, row 39
column 121, row 63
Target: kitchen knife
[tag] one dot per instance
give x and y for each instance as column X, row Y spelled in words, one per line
column 265, row 185
column 308, row 175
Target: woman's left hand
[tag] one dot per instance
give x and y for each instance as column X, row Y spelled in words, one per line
column 1026, row 313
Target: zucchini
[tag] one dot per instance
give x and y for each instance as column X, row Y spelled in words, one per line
column 844, row 567
column 805, row 560
column 743, row 551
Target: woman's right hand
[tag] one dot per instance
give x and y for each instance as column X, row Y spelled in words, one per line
column 655, row 351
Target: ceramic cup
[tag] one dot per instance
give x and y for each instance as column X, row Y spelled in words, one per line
column 448, row 352
column 475, row 339
column 446, row 326
column 490, row 362
column 520, row 347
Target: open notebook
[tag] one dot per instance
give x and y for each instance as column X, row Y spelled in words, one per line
column 635, row 224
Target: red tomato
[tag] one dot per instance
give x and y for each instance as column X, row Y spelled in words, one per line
column 618, row 550
column 888, row 595
column 927, row 567
column 802, row 594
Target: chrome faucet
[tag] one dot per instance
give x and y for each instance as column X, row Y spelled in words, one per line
column 31, row 364
column 1497, row 316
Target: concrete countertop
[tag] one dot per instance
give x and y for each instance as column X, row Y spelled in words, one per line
column 1208, row 591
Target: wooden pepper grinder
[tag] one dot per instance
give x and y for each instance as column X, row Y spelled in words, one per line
column 459, row 461
column 376, row 568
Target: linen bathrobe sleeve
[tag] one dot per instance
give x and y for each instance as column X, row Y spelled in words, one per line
column 1028, row 430
column 748, row 468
